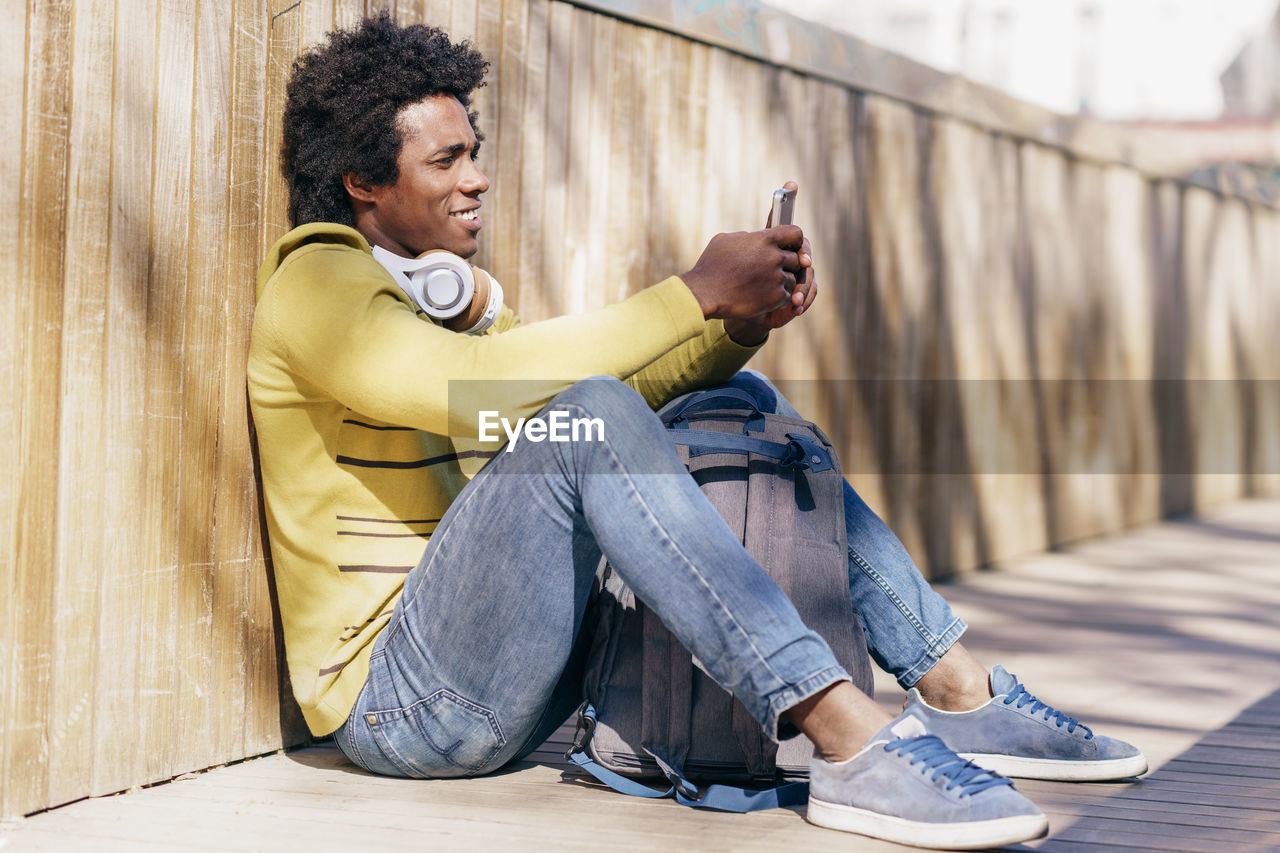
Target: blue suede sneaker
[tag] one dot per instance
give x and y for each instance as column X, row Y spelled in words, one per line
column 1016, row 734
column 907, row 786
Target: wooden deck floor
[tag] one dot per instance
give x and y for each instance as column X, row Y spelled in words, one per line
column 1168, row 637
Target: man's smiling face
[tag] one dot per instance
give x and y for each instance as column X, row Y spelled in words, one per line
column 434, row 203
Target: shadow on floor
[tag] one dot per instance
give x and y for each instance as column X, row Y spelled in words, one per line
column 1223, row 793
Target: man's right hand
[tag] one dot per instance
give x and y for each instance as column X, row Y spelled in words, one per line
column 747, row 273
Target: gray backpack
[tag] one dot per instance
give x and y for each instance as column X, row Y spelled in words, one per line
column 652, row 714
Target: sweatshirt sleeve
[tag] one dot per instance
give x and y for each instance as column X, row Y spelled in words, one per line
column 342, row 326
column 712, row 358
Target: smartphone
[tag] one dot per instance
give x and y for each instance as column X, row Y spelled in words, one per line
column 784, row 202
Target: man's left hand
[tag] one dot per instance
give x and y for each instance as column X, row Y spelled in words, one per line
column 752, row 331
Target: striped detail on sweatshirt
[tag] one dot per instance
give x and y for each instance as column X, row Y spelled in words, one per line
column 378, row 528
column 415, row 463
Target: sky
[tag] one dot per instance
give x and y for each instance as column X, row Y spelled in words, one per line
column 1125, row 59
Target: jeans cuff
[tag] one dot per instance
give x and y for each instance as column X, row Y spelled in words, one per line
column 932, row 654
column 792, row 695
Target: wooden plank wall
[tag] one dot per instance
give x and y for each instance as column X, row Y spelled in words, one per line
column 970, row 281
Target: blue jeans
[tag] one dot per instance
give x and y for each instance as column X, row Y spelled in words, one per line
column 483, row 656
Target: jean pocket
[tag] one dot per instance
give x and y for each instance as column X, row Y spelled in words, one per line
column 441, row 735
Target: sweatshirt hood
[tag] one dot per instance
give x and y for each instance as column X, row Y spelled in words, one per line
column 312, row 232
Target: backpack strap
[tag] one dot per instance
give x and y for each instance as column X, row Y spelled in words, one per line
column 720, row 797
column 677, row 408
column 667, row 700
column 799, row 452
column 760, row 753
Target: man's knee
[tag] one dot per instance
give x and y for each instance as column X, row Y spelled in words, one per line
column 605, row 409
column 604, row 397
column 758, row 386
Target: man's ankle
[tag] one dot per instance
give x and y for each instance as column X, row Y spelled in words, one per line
column 967, row 698
column 957, row 682
column 838, row 720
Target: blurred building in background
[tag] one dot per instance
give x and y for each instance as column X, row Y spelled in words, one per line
column 1197, row 81
column 1251, row 83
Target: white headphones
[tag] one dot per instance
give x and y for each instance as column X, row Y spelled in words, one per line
column 441, row 284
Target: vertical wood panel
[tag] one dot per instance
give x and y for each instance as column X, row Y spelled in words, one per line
column 852, row 278
column 462, row 20
column 165, row 425
column 1130, row 301
column 1055, row 281
column 346, row 13
column 834, row 228
column 578, row 200
column 489, row 43
column 551, row 250
column 202, row 374
column 990, row 431
column 318, row 19
column 1013, row 518
column 283, row 36
column 532, row 161
column 693, row 100
column 857, row 307
column 436, row 13
column 406, row 12
column 172, row 680
column 1265, row 302
column 896, row 337
column 82, row 500
column 116, row 759
column 1220, row 271
column 661, row 165
column 508, row 143
column 1169, row 345
column 41, row 232
column 646, row 149
column 758, row 151
column 633, row 144
column 1200, row 210
column 12, row 72
column 597, row 189
column 1092, row 494
column 715, row 138
column 124, row 546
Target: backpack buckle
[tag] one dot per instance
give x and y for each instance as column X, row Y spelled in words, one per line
column 585, row 729
column 684, row 787
column 804, row 453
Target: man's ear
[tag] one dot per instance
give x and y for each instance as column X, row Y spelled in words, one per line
column 358, row 189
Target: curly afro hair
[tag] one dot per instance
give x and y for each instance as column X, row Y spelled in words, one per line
column 341, row 106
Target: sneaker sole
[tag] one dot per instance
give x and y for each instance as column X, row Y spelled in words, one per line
column 1060, row 770
column 965, row 835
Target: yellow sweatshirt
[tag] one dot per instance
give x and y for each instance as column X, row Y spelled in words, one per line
column 363, row 448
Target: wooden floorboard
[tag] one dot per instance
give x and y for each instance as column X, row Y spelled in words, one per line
column 1167, row 637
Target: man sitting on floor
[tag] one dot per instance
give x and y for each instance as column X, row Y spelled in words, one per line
column 432, row 607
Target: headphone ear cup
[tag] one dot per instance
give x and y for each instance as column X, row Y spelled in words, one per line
column 444, row 285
